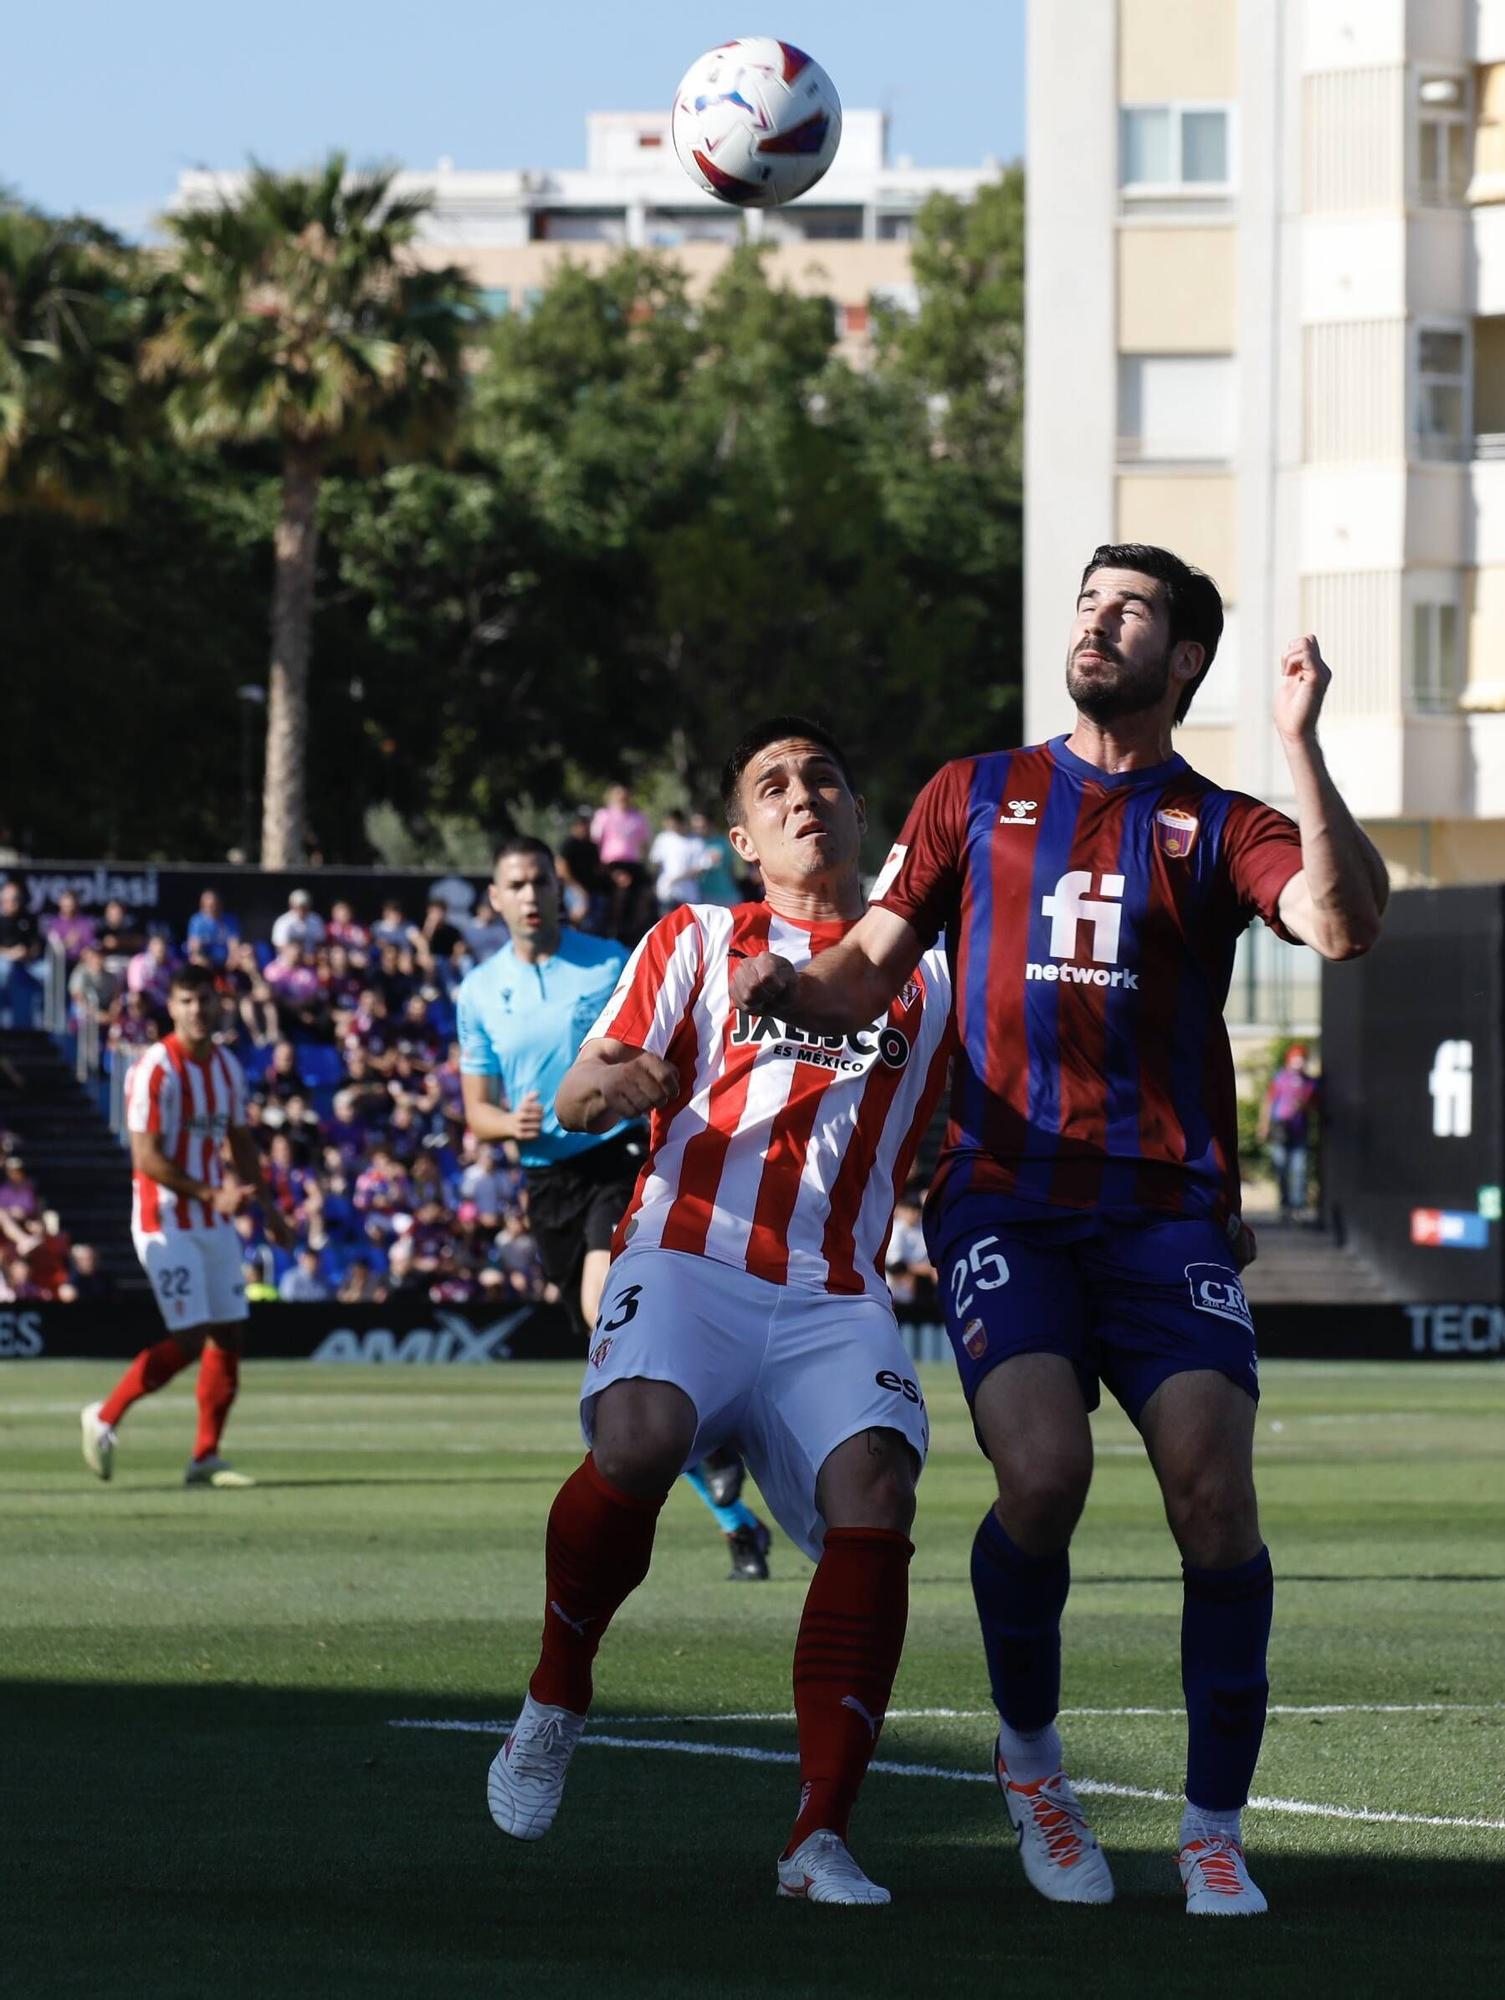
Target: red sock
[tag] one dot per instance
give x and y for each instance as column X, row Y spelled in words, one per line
column 845, row 1659
column 152, row 1367
column 599, row 1546
column 219, row 1378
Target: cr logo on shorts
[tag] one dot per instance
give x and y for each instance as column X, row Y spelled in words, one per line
column 599, row 1353
column 1215, row 1289
column 886, row 1378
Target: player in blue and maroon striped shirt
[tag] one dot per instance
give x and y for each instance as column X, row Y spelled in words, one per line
column 1085, row 1219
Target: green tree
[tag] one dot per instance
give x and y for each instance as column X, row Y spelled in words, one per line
column 67, row 361
column 301, row 319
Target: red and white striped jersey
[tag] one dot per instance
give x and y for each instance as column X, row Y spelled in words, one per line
column 191, row 1107
column 784, row 1151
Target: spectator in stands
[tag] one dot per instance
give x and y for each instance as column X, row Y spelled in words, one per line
column 120, row 936
column 71, row 931
column 580, row 872
column 294, row 985
column 491, row 1185
column 621, row 833
column 304, row 1284
column 20, row 948
column 281, row 1078
column 343, row 930
column 16, row 1284
column 360, row 1285
column 391, row 928
column 299, row 924
column 86, row 1281
column 92, row 987
column 255, row 1005
column 48, row 1257
column 345, row 1131
column 259, row 1287
column 676, row 856
column 717, row 882
column 383, row 1190
column 18, row 1195
column 339, row 977
column 435, row 940
column 149, row 971
column 515, row 1255
column 135, row 1023
column 211, row 928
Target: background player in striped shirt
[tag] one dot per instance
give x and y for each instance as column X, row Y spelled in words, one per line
column 185, row 1107
column 1085, row 1218
column 746, row 1299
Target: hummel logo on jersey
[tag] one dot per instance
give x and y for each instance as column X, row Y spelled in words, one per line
column 1071, row 907
column 1019, row 813
column 850, row 1701
column 575, row 1624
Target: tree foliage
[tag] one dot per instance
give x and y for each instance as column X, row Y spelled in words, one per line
column 663, row 513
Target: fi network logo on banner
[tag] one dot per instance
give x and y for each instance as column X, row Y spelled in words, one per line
column 1451, row 1083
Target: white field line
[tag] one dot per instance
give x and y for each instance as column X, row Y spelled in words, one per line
column 987, row 1714
column 745, row 1753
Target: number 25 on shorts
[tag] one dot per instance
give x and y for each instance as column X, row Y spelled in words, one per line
column 982, row 1266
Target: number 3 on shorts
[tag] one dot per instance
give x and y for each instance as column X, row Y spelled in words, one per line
column 985, row 1265
column 625, row 1306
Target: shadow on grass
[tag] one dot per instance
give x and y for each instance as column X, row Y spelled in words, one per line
column 176, row 1842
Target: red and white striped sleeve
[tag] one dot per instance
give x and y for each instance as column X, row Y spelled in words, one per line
column 151, row 1098
column 657, row 984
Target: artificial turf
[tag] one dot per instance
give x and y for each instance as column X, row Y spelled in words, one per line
column 205, row 1796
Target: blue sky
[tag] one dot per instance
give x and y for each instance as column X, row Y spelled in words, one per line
column 108, row 102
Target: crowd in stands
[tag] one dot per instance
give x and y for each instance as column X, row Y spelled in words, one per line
column 38, row 1258
column 344, row 1023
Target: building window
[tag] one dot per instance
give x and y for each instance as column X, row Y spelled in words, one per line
column 495, row 302
column 1177, row 407
column 1441, row 392
column 1442, row 140
column 1434, row 669
column 1176, row 147
column 895, row 228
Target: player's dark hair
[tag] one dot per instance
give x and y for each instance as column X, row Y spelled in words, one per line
column 777, row 729
column 523, row 843
column 1192, row 600
column 191, row 978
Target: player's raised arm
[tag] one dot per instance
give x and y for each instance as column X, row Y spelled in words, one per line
column 1337, row 899
column 843, row 989
column 609, row 1081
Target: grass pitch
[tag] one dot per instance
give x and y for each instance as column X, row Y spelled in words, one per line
column 205, row 1795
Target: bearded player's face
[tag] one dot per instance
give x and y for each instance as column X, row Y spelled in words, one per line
column 1118, row 661
column 798, row 818
column 194, row 1011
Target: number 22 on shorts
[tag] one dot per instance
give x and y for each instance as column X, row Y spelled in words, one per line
column 983, row 1266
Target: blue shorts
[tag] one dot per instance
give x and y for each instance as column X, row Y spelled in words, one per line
column 1130, row 1300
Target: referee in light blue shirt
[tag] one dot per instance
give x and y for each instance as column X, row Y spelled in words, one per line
column 523, row 1014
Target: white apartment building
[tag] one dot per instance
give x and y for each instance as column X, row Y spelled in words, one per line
column 1266, row 328
column 510, row 228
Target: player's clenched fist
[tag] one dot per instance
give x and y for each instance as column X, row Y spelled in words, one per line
column 763, row 985
column 642, row 1083
column 1304, row 677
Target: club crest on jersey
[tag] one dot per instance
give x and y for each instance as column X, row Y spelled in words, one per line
column 1019, row 812
column 909, row 992
column 1175, row 832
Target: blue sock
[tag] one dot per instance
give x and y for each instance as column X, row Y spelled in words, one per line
column 1225, row 1630
column 1020, row 1599
column 728, row 1519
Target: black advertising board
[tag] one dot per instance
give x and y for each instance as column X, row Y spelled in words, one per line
column 415, row 1333
column 1413, row 1059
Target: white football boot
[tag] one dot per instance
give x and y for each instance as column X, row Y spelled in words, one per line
column 99, row 1442
column 526, row 1779
column 1216, row 1879
column 822, row 1870
column 1059, row 1850
column 215, row 1471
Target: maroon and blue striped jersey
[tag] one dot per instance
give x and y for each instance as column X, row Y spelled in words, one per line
column 1091, row 919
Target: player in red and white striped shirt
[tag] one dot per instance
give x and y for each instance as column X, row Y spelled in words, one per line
column 746, row 1301
column 186, row 1103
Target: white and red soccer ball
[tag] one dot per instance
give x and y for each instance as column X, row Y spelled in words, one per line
column 756, row 122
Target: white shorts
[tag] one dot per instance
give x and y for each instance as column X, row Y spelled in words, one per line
column 195, row 1274
column 783, row 1373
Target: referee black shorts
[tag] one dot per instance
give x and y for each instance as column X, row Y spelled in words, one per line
column 576, row 1206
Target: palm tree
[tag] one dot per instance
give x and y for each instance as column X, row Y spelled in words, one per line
column 67, row 362
column 302, row 319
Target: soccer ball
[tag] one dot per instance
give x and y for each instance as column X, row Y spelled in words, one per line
column 756, row 122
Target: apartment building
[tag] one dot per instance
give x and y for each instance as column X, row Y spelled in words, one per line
column 511, row 228
column 1266, row 327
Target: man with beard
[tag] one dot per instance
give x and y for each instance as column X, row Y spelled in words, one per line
column 1084, row 1219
